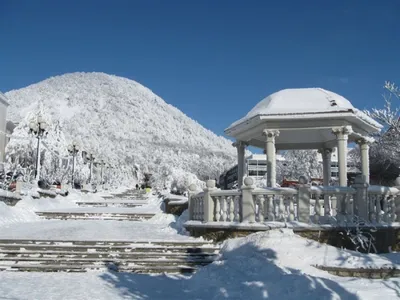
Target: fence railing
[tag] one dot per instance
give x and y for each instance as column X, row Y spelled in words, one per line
column 307, row 204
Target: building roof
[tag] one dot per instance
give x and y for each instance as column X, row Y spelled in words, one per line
column 304, row 118
column 303, row 101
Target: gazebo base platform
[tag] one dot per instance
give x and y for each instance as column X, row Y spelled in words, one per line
column 387, row 237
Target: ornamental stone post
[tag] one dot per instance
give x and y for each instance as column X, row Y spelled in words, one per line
column 270, row 150
column 342, row 135
column 192, row 191
column 360, row 202
column 303, row 200
column 248, row 213
column 208, row 201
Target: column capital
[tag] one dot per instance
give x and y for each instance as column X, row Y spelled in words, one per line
column 342, row 132
column 365, row 141
column 239, row 144
column 270, row 134
column 325, row 151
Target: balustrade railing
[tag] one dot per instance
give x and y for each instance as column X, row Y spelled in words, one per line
column 226, row 205
column 327, row 201
column 275, row 204
column 315, row 204
column 382, row 204
column 196, row 207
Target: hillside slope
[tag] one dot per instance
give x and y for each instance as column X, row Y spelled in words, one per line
column 125, row 123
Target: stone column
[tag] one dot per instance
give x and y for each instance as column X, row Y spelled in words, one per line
column 240, row 146
column 326, row 164
column 326, row 154
column 364, row 150
column 342, row 135
column 270, row 150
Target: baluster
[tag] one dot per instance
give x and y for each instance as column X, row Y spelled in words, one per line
column 256, row 200
column 270, row 208
column 327, row 206
column 348, row 208
column 291, row 208
column 217, row 212
column 265, row 207
column 385, row 208
column 333, row 204
column 392, row 205
column 231, row 208
column 194, row 202
column 197, row 202
column 338, row 207
column 378, row 209
column 237, row 209
column 195, row 209
column 226, row 212
column 372, row 200
column 285, row 200
column 317, row 208
column 200, row 209
column 261, row 209
column 281, row 209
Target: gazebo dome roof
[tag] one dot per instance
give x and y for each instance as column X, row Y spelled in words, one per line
column 306, row 100
column 305, row 119
column 303, row 101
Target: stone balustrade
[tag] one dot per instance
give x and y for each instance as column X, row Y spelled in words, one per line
column 307, row 204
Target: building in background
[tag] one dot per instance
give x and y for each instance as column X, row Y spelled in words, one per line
column 3, row 120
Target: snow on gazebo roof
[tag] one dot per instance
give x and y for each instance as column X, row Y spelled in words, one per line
column 305, row 118
column 303, row 101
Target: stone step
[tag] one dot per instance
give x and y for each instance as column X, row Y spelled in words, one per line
column 124, row 261
column 105, row 204
column 117, row 255
column 90, row 243
column 111, row 267
column 125, row 249
column 123, row 256
column 94, row 216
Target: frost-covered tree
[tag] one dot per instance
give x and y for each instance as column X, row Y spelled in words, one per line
column 385, row 152
column 301, row 162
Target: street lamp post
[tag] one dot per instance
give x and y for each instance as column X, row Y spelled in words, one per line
column 90, row 158
column 73, row 149
column 38, row 128
column 102, row 164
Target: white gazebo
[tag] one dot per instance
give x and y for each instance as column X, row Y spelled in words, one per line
column 308, row 118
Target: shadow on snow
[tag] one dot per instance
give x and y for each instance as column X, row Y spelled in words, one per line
column 243, row 273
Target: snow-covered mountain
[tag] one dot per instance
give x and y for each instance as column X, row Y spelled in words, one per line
column 125, row 123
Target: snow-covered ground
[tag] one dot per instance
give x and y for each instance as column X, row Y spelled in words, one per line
column 270, row 265
column 275, row 264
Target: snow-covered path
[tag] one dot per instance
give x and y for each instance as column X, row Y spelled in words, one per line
column 92, row 230
column 269, row 265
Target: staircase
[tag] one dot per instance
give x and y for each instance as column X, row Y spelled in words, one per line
column 119, row 256
column 116, row 216
column 129, row 199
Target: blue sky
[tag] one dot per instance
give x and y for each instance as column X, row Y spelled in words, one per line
column 213, row 59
